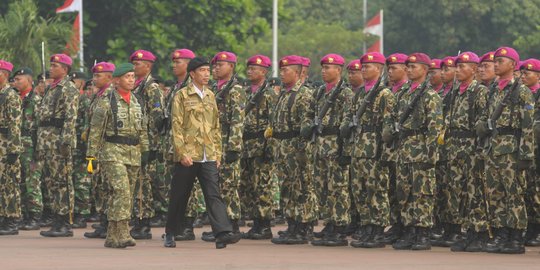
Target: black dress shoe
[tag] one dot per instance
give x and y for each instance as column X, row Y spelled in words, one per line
column 168, row 241
column 226, row 238
column 186, row 235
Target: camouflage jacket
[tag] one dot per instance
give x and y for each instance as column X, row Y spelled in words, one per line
column 231, row 116
column 389, row 151
column 10, row 121
column 167, row 130
column 196, row 130
column 28, row 127
column 129, row 123
column 380, row 115
column 57, row 116
column 329, row 143
column 151, row 98
column 516, row 118
column 91, row 107
column 465, row 111
column 423, row 126
column 256, row 122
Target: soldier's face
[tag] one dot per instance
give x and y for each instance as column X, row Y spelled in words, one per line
column 289, row 74
column 530, row 78
column 371, row 71
column 355, row 78
column 223, row 70
column 126, row 81
column 102, row 79
column 22, row 82
column 416, row 71
column 465, row 71
column 57, row 71
column 486, row 71
column 447, row 74
column 201, row 75
column 503, row 66
column 256, row 73
column 397, row 72
column 330, row 73
column 141, row 68
column 179, row 66
column 435, row 76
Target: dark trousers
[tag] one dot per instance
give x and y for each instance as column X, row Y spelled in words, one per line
column 181, row 186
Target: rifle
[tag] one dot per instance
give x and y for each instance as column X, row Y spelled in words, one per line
column 318, row 127
column 257, row 97
column 43, row 61
column 367, row 101
column 410, row 107
column 225, row 91
column 168, row 107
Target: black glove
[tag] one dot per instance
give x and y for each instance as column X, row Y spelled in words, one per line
column 524, row 164
column 11, row 158
column 65, row 150
column 231, row 156
column 344, row 160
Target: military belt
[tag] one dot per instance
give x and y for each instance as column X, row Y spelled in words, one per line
column 122, row 140
column 462, row 133
column 286, row 135
column 509, row 131
column 329, row 131
column 26, row 133
column 412, row 132
column 253, row 135
column 368, row 128
column 4, row 131
column 53, row 122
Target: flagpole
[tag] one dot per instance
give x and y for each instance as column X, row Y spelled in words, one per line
column 81, row 41
column 275, row 39
column 365, row 20
column 382, row 32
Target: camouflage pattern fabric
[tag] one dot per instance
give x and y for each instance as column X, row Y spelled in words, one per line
column 121, row 180
column 82, row 182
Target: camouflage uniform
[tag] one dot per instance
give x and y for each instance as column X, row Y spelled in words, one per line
column 57, row 117
column 81, row 180
column 331, row 177
column 231, row 117
column 442, row 167
column 10, row 143
column 533, row 175
column 31, row 198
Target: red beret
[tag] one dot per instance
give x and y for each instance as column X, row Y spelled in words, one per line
column 488, row 57
column 531, row 64
column 142, row 55
column 508, row 53
column 420, row 58
column 354, row 65
column 5, row 65
column 449, row 61
column 373, row 57
column 333, row 59
column 435, row 64
column 62, row 58
column 396, row 58
column 306, row 62
column 225, row 57
column 468, row 57
column 259, row 60
column 182, row 54
column 290, row 60
column 103, row 67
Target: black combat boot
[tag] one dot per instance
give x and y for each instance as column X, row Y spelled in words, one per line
column 326, row 233
column 407, row 239
column 283, row 235
column 31, row 223
column 464, row 242
column 100, row 231
column 168, row 241
column 9, row 226
column 235, row 226
column 394, row 233
column 158, row 220
column 60, row 228
column 186, row 233
column 328, row 228
column 422, row 241
column 478, row 244
column 336, row 239
column 142, row 229
column 254, row 228
column 375, row 239
column 198, row 223
column 208, row 236
column 225, row 238
column 300, row 236
column 501, row 236
column 515, row 244
column 532, row 237
column 452, row 236
column 79, row 221
column 264, row 231
column 47, row 218
column 436, row 232
column 291, row 226
column 352, row 226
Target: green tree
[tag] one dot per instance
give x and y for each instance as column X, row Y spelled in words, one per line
column 22, row 30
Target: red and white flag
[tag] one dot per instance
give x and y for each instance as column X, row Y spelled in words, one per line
column 74, row 43
column 375, row 27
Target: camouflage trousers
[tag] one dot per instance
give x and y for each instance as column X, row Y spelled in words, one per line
column 441, row 185
column 10, row 192
column 31, row 198
column 370, row 191
column 395, row 210
column 298, row 198
column 276, row 190
column 160, row 187
column 82, row 183
column 506, row 192
column 100, row 192
column 196, row 199
column 121, row 179
column 257, row 197
column 143, row 195
column 465, row 194
column 332, row 189
column 532, row 198
column 229, row 180
column 414, row 192
column 57, row 172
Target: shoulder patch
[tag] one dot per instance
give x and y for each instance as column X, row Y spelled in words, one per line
column 528, row 107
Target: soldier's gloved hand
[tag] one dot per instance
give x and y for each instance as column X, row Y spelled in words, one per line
column 387, row 135
column 524, row 164
column 345, row 131
column 482, row 129
column 231, row 156
column 11, row 159
column 65, row 150
column 344, row 160
column 145, row 156
column 91, row 167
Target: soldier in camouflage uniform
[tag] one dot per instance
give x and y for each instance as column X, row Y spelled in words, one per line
column 292, row 123
column 531, row 78
column 257, row 150
column 465, row 184
column 31, row 199
column 57, row 116
column 369, row 178
column 10, row 149
column 417, row 154
column 231, row 100
column 151, row 99
column 510, row 153
column 331, row 165
column 118, row 135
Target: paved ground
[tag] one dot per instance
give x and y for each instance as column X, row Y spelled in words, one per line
column 31, row 251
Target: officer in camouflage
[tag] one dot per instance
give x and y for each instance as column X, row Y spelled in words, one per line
column 10, row 149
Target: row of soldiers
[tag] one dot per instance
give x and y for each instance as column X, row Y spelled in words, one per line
column 429, row 147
